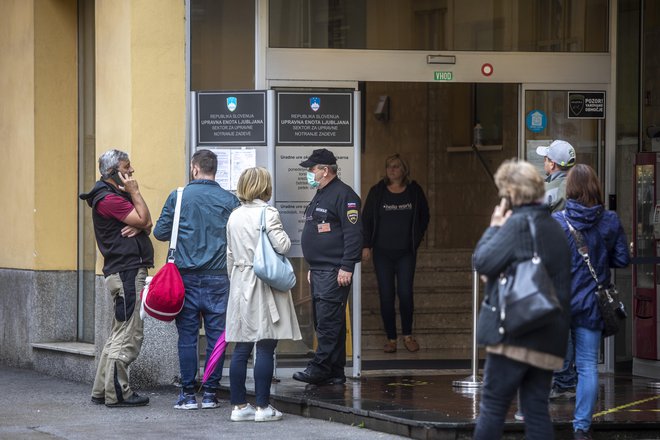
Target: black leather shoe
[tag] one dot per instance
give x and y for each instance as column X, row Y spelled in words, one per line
column 333, row 381
column 98, row 400
column 134, row 400
column 304, row 376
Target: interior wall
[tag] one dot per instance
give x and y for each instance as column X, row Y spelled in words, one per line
column 425, row 121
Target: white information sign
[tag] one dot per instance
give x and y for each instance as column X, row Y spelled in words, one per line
column 291, row 178
column 231, row 163
column 293, row 193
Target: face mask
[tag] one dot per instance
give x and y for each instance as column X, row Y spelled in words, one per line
column 311, row 179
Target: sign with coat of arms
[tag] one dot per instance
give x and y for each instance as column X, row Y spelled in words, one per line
column 321, row 118
column 231, row 118
column 586, row 105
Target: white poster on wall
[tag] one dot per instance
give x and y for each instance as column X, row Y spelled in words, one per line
column 231, row 163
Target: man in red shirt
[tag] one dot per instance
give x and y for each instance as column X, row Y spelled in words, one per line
column 122, row 224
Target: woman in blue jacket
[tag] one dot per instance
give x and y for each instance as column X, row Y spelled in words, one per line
column 605, row 240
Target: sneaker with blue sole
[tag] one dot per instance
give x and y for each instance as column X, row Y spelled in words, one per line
column 186, row 401
column 209, row 400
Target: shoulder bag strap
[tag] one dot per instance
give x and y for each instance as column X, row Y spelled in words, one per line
column 532, row 231
column 582, row 248
column 175, row 225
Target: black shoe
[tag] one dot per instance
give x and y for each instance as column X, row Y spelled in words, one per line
column 581, row 435
column 333, row 381
column 134, row 400
column 98, row 400
column 561, row 393
column 304, row 376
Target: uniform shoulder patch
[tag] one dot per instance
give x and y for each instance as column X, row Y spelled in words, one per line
column 352, row 215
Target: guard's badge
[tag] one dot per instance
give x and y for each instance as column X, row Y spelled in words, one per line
column 232, row 103
column 315, row 103
column 352, row 215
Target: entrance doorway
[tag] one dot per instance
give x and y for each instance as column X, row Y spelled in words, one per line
column 434, row 126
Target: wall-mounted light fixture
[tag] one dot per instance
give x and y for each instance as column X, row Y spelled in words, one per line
column 382, row 110
column 440, row 59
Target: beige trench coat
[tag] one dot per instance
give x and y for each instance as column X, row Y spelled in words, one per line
column 255, row 311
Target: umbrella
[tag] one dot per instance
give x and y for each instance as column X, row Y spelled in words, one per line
column 216, row 354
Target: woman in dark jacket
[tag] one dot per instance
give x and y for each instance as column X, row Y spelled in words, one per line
column 393, row 205
column 525, row 362
column 603, row 235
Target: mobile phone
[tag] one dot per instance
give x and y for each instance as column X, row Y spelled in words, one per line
column 115, row 177
column 505, row 203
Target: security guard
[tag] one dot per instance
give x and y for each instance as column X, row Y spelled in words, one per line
column 331, row 244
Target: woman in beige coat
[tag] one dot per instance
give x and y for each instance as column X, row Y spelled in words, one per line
column 256, row 313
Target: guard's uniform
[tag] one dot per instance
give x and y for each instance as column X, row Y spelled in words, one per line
column 331, row 240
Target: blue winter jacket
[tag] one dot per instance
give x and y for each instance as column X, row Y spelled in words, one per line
column 606, row 242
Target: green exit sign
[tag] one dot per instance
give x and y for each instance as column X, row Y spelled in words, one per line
column 443, row 76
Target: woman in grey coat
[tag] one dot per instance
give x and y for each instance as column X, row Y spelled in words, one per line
column 256, row 313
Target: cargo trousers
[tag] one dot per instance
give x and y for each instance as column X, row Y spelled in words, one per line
column 125, row 341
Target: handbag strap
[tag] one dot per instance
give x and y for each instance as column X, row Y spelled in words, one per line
column 175, row 225
column 532, row 231
column 582, row 248
column 263, row 219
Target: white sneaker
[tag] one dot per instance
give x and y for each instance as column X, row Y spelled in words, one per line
column 268, row 414
column 244, row 414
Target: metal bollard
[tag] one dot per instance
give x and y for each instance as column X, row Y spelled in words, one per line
column 473, row 381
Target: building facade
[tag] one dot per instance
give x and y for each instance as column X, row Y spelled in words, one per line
column 79, row 77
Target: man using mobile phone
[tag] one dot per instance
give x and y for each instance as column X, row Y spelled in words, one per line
column 122, row 224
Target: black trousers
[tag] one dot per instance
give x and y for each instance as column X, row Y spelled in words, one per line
column 329, row 312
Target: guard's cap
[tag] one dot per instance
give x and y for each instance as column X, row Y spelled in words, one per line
column 560, row 152
column 321, row 156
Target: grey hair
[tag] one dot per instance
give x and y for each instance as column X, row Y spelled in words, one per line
column 333, row 167
column 109, row 162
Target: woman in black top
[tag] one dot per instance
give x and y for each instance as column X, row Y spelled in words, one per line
column 394, row 219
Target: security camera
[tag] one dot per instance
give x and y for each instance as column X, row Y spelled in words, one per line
column 382, row 112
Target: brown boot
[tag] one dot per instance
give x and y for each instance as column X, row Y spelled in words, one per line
column 410, row 343
column 390, row 346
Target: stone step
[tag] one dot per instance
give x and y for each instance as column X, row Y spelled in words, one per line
column 372, row 340
column 438, row 321
column 424, row 299
column 439, row 279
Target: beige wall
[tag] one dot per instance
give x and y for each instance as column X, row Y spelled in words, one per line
column 140, row 97
column 38, row 132
column 140, row 83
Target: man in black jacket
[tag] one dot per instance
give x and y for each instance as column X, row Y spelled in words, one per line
column 332, row 244
column 122, row 224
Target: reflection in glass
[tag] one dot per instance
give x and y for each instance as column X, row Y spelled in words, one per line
column 645, row 245
column 481, row 25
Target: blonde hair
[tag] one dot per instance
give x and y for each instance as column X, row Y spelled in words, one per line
column 520, row 181
column 254, row 183
column 404, row 167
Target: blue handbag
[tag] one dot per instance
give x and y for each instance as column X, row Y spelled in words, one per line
column 269, row 266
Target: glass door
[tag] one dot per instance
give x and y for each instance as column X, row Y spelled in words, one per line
column 561, row 113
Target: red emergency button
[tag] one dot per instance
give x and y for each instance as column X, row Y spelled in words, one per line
column 487, row 69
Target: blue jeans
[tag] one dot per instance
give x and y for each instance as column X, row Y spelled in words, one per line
column 566, row 377
column 503, row 377
column 263, row 372
column 399, row 265
column 587, row 344
column 206, row 295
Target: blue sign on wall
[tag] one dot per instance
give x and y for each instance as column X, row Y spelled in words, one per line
column 536, row 121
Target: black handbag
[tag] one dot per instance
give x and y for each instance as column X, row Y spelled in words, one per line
column 610, row 306
column 528, row 300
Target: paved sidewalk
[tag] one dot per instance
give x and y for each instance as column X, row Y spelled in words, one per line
column 34, row 406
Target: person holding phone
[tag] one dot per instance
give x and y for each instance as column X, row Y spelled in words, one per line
column 521, row 363
column 122, row 224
